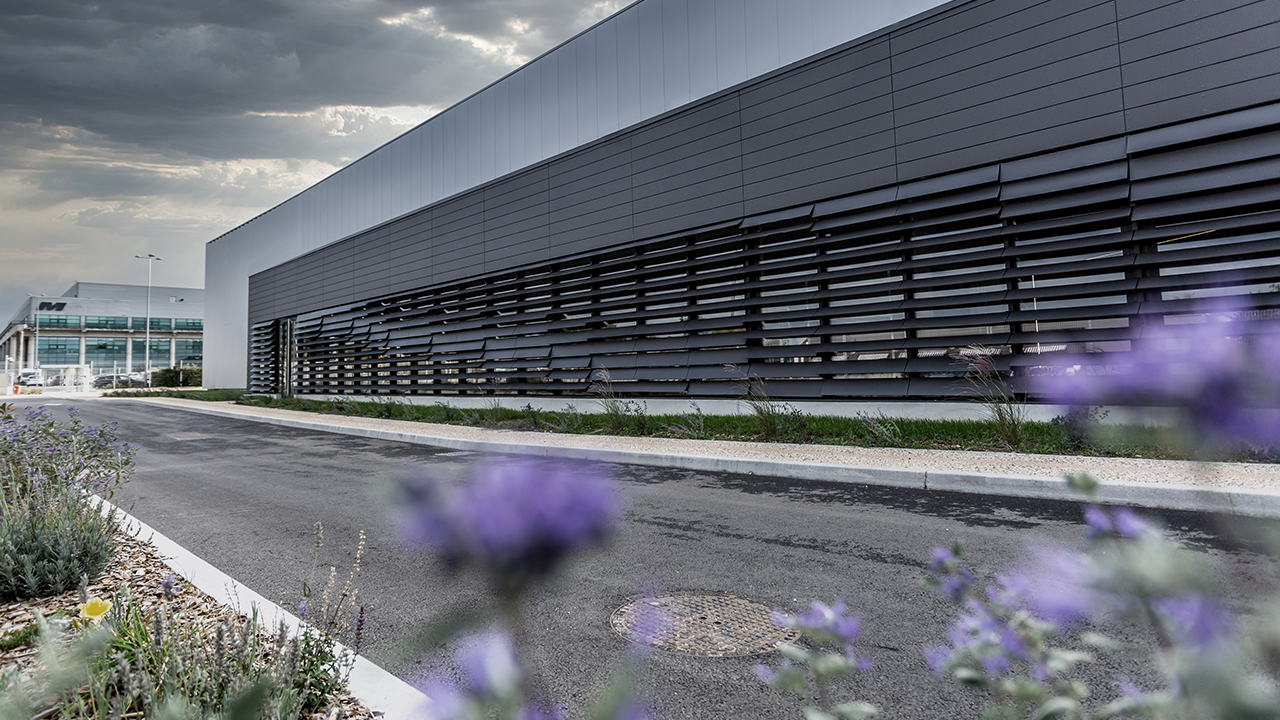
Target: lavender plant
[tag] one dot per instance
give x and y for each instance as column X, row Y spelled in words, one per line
column 516, row 523
column 52, row 531
column 810, row 672
column 140, row 663
column 1223, row 373
column 36, row 450
column 1012, row 640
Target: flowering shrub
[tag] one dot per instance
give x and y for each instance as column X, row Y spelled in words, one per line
column 51, row 530
column 830, row 630
column 37, row 451
column 514, row 521
column 1222, row 372
column 517, row 523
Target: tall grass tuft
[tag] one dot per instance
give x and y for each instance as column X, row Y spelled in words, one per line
column 773, row 420
column 1006, row 412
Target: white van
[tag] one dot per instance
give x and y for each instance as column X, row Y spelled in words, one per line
column 30, row 378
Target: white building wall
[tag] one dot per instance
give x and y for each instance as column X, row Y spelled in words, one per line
column 652, row 57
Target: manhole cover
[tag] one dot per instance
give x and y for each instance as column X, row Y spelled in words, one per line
column 706, row 624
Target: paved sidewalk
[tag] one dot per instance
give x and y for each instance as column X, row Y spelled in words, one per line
column 1236, row 488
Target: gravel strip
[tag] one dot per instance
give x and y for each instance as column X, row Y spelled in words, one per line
column 141, row 567
column 1255, row 476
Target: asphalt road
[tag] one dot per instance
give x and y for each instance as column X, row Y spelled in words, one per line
column 246, row 496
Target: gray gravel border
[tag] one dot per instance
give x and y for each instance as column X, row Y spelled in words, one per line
column 1204, row 498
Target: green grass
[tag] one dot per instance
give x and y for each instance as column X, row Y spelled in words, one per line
column 26, row 635
column 1038, row 437
column 206, row 395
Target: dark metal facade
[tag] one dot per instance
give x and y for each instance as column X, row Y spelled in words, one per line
column 1032, row 177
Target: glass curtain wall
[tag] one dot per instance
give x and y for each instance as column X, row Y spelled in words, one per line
column 159, row 354
column 106, row 322
column 106, row 354
column 188, row 353
column 58, row 321
column 58, row 351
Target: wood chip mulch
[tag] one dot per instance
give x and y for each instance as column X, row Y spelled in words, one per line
column 140, row 566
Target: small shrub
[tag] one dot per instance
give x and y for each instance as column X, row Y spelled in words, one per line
column 773, row 420
column 52, row 531
column 621, row 414
column 49, row 540
column 177, row 377
column 691, row 425
column 884, row 430
column 1080, row 422
column 568, row 420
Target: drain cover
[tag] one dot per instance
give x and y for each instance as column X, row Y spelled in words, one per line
column 706, row 624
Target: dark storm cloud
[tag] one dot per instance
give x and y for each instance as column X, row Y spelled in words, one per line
column 162, row 73
column 135, row 126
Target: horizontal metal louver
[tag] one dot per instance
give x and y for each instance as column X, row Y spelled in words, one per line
column 1068, row 254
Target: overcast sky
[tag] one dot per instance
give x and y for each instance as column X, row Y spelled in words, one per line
column 152, row 126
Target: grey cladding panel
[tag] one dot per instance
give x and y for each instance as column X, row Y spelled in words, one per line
column 687, row 168
column 942, row 156
column 809, row 83
column 603, row 228
column 615, row 204
column 1032, row 47
column 835, row 112
column 613, row 184
column 1140, row 41
column 839, row 178
column 595, row 158
column 859, row 132
column 1199, row 104
column 1144, row 17
column 1205, row 54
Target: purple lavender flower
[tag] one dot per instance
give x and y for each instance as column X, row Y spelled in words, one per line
column 444, row 701
column 1058, row 587
column 1128, row 524
column 515, row 518
column 1224, row 372
column 489, row 662
column 823, row 622
column 937, row 656
column 302, row 608
column 763, row 673
column 1196, row 620
column 1121, row 521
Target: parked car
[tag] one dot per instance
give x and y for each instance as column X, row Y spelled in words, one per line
column 31, row 378
column 118, row 380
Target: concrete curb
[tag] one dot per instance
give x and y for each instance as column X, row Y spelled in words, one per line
column 378, row 689
column 1252, row 503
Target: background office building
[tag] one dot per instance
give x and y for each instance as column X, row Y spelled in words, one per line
column 839, row 196
column 105, row 326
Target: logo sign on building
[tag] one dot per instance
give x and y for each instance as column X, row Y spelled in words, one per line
column 54, row 306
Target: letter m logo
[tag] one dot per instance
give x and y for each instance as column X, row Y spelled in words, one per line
column 56, row 307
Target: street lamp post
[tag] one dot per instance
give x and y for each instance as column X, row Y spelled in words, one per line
column 146, row 350
column 35, row 351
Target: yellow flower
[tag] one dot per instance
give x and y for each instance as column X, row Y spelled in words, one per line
column 94, row 609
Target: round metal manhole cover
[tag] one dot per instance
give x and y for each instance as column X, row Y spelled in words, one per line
column 706, row 624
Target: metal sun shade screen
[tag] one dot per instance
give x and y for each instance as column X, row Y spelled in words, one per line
column 874, row 295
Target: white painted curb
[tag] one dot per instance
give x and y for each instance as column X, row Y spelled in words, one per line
column 376, row 688
column 1252, row 503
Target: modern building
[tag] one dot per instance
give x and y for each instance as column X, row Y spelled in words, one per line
column 103, row 328
column 841, row 197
